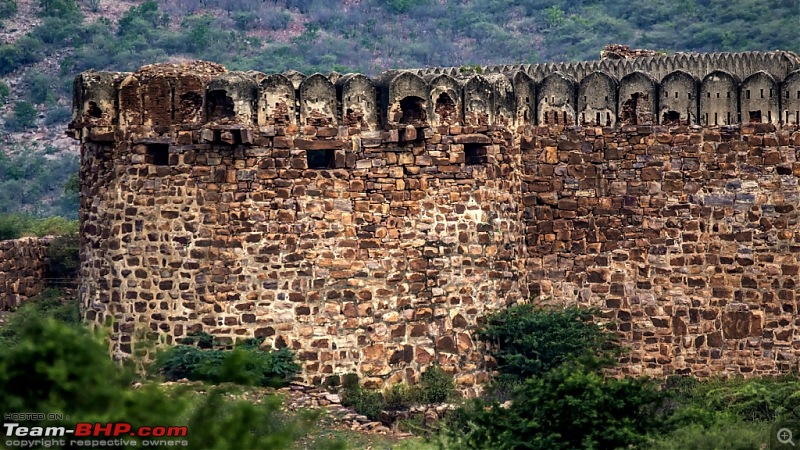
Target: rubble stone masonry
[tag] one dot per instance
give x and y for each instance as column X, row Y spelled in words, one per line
column 370, row 226
column 22, row 267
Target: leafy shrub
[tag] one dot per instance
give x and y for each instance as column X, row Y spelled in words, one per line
column 436, row 386
column 727, row 433
column 364, row 401
column 63, row 369
column 528, row 340
column 571, row 406
column 248, row 365
column 52, row 303
column 58, row 116
column 13, row 226
column 63, row 258
column 5, row 91
column 7, row 9
column 22, row 118
column 39, row 88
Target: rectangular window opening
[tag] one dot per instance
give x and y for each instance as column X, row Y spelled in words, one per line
column 475, row 154
column 320, row 159
column 157, row 154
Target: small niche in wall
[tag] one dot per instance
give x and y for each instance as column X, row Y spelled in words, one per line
column 475, row 154
column 320, row 159
column 158, row 154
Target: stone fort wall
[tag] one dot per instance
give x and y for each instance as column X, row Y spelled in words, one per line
column 22, row 269
column 370, row 224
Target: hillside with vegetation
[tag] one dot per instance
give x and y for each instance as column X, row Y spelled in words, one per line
column 44, row 43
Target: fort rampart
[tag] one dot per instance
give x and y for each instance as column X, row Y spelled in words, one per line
column 370, row 224
column 22, row 269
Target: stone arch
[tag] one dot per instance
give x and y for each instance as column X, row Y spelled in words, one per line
column 759, row 99
column 637, row 99
column 230, row 98
column 157, row 102
column 357, row 95
column 503, row 107
column 525, row 93
column 678, row 99
column 719, row 102
column 597, row 100
column 478, row 101
column 318, row 101
column 188, row 99
column 406, row 99
column 130, row 102
column 556, row 102
column 295, row 77
column 446, row 98
column 790, row 98
column 276, row 101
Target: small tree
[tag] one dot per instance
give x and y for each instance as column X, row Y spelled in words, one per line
column 23, row 117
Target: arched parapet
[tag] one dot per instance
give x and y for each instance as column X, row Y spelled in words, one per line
column 637, row 99
column 503, row 107
column 719, row 102
column 678, row 99
column 295, row 77
column 556, row 101
column 405, row 99
column 478, row 101
column 130, row 103
column 358, row 99
column 188, row 101
column 790, row 99
column 759, row 99
column 231, row 99
column 446, row 98
column 276, row 100
column 318, row 102
column 597, row 100
column 257, row 76
column 525, row 94
column 94, row 99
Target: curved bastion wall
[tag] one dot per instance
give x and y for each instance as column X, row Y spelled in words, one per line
column 370, row 224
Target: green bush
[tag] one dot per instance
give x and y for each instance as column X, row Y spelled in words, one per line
column 571, row 406
column 246, row 364
column 52, row 303
column 529, row 341
column 62, row 369
column 39, row 88
column 22, row 118
column 63, row 258
column 364, row 401
column 13, row 226
column 5, row 91
column 724, row 433
column 7, row 8
column 436, row 386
